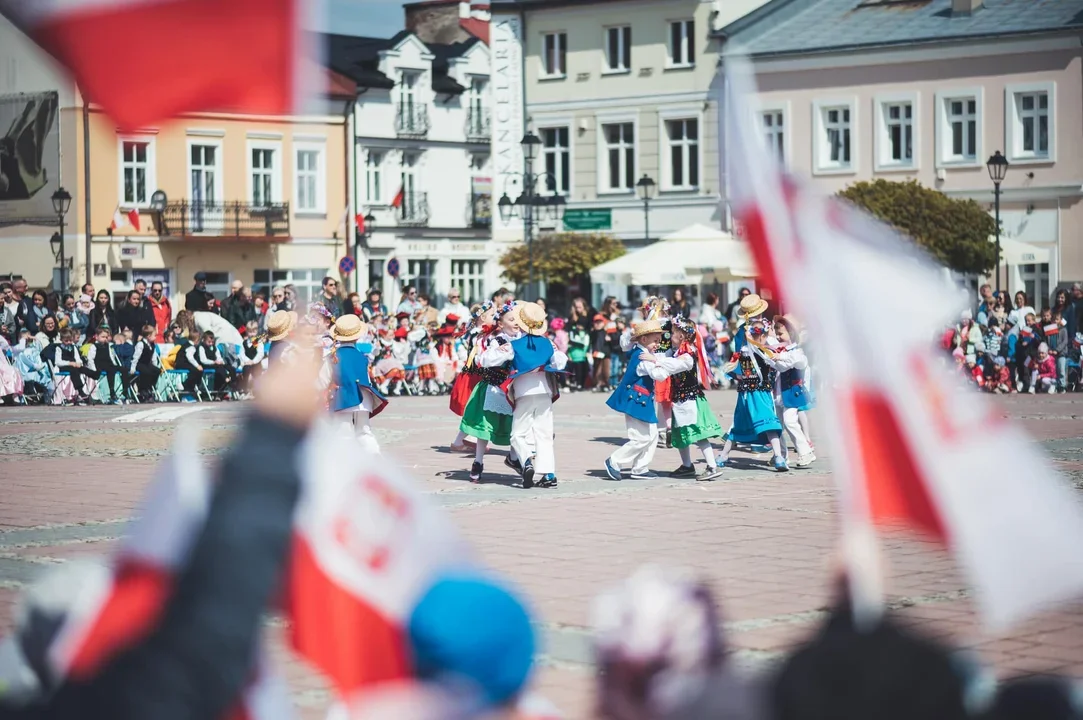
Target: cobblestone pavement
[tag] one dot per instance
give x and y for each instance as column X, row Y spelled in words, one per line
column 70, row 477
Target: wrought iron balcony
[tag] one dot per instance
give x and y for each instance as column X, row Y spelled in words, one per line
column 233, row 219
column 480, row 210
column 411, row 120
column 478, row 125
column 414, row 210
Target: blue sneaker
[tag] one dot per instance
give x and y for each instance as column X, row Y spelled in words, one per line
column 611, row 470
column 549, row 481
column 780, row 464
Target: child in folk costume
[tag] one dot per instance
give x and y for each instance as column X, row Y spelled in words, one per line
column 389, row 373
column 488, row 414
column 662, row 393
column 792, row 388
column 449, row 356
column 353, row 399
column 279, row 328
column 531, row 389
column 634, row 398
column 693, row 421
column 754, row 418
column 461, row 390
column 425, row 360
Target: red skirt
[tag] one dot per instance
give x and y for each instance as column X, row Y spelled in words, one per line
column 426, row 372
column 662, row 392
column 461, row 390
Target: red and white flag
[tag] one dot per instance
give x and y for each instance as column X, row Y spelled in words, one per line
column 242, row 56
column 359, row 221
column 914, row 446
column 399, row 198
column 133, row 218
column 1051, row 329
column 119, row 219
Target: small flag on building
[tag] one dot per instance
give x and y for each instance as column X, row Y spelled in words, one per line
column 359, row 220
column 399, row 197
column 119, row 220
column 133, row 218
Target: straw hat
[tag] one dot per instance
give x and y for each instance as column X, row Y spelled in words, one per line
column 349, row 328
column 280, row 324
column 647, row 327
column 751, row 306
column 531, row 318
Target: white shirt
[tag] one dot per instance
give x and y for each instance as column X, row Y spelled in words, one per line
column 458, row 309
column 531, row 383
column 656, row 371
column 154, row 359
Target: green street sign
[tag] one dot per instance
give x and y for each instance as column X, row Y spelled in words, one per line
column 584, row 219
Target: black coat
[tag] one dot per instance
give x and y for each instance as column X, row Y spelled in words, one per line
column 134, row 318
column 195, row 300
column 99, row 317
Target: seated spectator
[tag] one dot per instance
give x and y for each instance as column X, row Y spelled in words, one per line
column 11, row 382
column 1043, row 374
column 187, row 359
column 124, row 348
column 213, row 362
column 146, row 366
column 36, row 376
column 101, row 314
column 79, row 320
column 48, row 332
column 37, row 311
column 101, row 361
column 67, row 359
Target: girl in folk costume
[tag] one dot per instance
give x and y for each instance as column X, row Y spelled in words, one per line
column 634, row 398
column 693, row 421
column 754, row 418
column 488, row 414
column 389, row 373
column 252, row 351
column 792, row 387
column 425, row 361
column 448, row 356
column 531, row 388
column 353, row 399
column 480, row 325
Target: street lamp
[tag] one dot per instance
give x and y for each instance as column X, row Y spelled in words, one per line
column 61, row 202
column 998, row 168
column 531, row 206
column 646, row 187
column 363, row 236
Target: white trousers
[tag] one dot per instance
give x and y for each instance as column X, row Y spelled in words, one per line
column 789, row 417
column 532, row 427
column 639, row 450
column 356, row 423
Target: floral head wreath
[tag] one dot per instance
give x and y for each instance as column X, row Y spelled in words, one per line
column 654, row 308
column 504, row 310
column 318, row 309
column 685, row 325
column 482, row 309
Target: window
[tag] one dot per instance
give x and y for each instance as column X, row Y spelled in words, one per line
column 468, row 277
column 682, row 43
column 619, row 156
column 408, row 90
column 376, row 273
column 683, row 167
column 556, row 154
column 554, row 54
column 773, row 126
column 311, row 195
column 959, row 127
column 422, row 275
column 264, row 170
column 1035, row 277
column 833, row 149
column 307, row 282
column 895, row 139
column 373, row 193
column 618, row 49
column 218, row 284
column 135, row 161
column 204, row 167
column 1029, row 118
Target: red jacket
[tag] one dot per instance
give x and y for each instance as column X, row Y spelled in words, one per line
column 163, row 315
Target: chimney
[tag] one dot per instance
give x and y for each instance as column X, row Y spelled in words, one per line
column 964, row 7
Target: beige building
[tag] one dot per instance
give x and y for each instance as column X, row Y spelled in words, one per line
column 856, row 90
column 616, row 91
column 258, row 199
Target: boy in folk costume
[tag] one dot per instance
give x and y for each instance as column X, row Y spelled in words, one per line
column 792, row 389
column 279, row 327
column 488, row 414
column 531, row 388
column 693, row 421
column 353, row 399
column 634, row 398
column 754, row 418
column 481, row 323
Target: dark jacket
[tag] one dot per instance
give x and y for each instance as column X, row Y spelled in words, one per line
column 237, row 312
column 196, row 663
column 195, row 300
column 99, row 317
column 134, row 318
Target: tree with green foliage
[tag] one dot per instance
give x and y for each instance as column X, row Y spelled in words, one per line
column 560, row 257
column 955, row 232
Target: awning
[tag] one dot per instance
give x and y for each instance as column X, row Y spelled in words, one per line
column 690, row 256
column 1017, row 252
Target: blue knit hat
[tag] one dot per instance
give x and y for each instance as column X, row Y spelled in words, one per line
column 469, row 627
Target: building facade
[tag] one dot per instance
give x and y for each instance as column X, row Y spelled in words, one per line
column 855, row 90
column 616, row 91
column 422, row 157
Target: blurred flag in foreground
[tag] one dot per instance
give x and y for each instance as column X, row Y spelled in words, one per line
column 913, row 446
column 148, row 60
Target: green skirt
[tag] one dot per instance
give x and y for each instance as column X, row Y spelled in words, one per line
column 483, row 424
column 706, row 426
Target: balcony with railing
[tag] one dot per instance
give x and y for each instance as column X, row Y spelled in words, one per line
column 478, row 124
column 414, row 210
column 224, row 220
column 411, row 120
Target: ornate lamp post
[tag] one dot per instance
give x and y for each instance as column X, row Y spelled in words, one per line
column 532, row 206
column 646, row 187
column 61, row 202
column 998, row 168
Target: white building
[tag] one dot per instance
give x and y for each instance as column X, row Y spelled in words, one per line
column 421, row 124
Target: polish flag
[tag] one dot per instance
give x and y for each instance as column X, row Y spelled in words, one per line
column 119, row 219
column 918, row 448
column 1051, row 329
column 359, row 220
column 400, row 196
column 1027, row 331
column 133, row 218
column 241, row 56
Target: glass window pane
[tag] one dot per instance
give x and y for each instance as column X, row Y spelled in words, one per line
column 971, row 106
column 612, row 45
column 1043, row 134
column 1043, row 101
column 629, row 169
column 677, row 164
column 614, row 168
column 972, row 138
column 690, row 38
column 956, row 107
column 565, row 171
column 1028, row 134
column 693, row 166
column 675, row 42
column 626, row 58
column 141, row 152
column 1028, row 102
column 692, row 129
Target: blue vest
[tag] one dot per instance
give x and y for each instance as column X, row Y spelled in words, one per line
column 795, row 393
column 532, row 352
column 634, row 395
column 351, row 374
